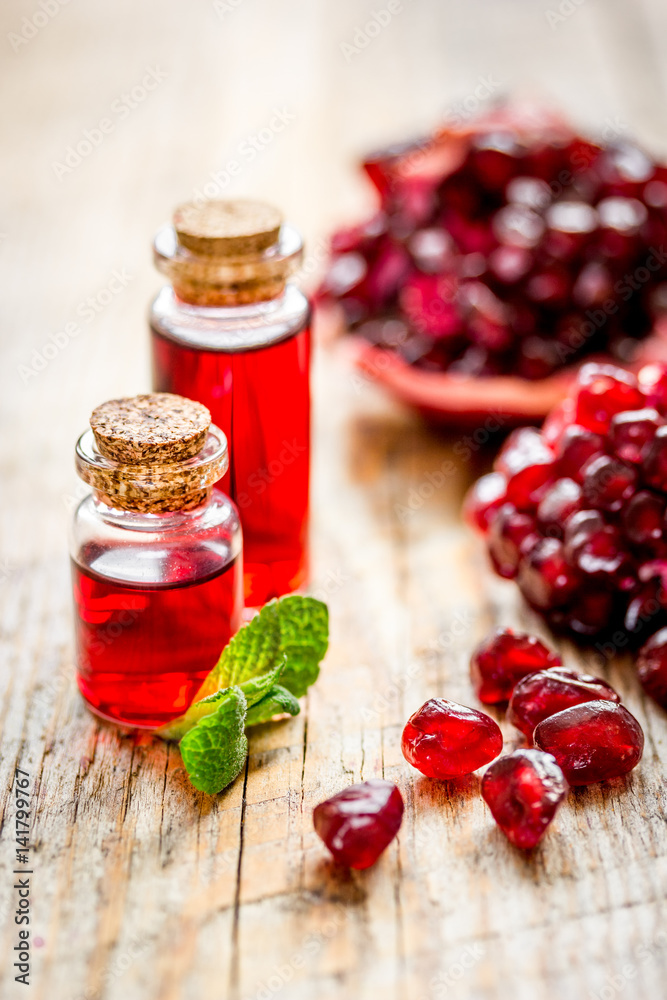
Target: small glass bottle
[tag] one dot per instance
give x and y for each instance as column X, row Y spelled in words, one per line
column 232, row 332
column 156, row 558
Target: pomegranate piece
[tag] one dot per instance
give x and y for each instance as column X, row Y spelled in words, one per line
column 605, row 391
column 445, row 740
column 509, row 530
column 608, row 483
column 592, row 741
column 545, row 577
column 358, row 823
column 547, row 692
column 632, row 432
column 502, row 659
column 560, row 500
column 652, row 667
column 575, row 447
column 655, row 463
column 485, row 499
column 523, row 791
column 528, row 465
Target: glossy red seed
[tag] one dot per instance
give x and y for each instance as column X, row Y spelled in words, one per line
column 644, row 518
column 655, row 463
column 502, row 659
column 484, row 499
column 540, row 695
column 528, row 465
column 358, row 823
column 523, row 791
column 605, row 391
column 561, row 500
column 652, row 667
column 445, row 740
column 592, row 742
column 574, row 448
column 509, row 529
column 545, row 577
column 653, row 383
column 608, row 483
column 632, row 432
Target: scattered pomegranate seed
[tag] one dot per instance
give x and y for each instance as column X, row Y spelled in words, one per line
column 445, row 740
column 358, row 823
column 502, row 659
column 523, row 791
column 652, row 667
column 547, row 692
column 592, row 741
column 585, row 535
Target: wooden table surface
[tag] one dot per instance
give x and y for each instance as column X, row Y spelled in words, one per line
column 143, row 888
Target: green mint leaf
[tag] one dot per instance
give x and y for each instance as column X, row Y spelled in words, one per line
column 277, row 701
column 215, row 749
column 256, row 688
column 304, row 638
column 254, row 650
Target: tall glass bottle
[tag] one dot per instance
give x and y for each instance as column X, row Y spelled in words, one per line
column 231, row 331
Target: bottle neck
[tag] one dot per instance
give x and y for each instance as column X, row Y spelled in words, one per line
column 172, row 520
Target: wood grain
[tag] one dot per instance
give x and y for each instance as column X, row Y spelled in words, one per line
column 144, row 888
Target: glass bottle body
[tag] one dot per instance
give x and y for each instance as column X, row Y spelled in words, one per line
column 250, row 366
column 156, row 598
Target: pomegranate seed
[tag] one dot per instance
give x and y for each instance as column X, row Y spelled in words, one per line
column 358, row 823
column 653, row 383
column 502, row 659
column 445, row 740
column 540, row 695
column 523, row 791
column 575, row 447
column 528, row 465
column 605, row 391
column 652, row 667
column 484, row 500
column 644, row 518
column 545, row 577
column 655, row 463
column 632, row 432
column 509, row 530
column 608, row 483
column 592, row 741
column 561, row 500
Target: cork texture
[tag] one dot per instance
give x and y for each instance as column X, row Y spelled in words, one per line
column 153, row 429
column 227, row 228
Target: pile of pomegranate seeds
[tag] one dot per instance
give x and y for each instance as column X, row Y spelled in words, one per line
column 512, row 246
column 652, row 667
column 523, row 791
column 547, row 692
column 445, row 740
column 359, row 822
column 575, row 513
column 503, row 659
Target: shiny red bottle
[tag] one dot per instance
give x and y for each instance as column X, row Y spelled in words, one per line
column 232, row 332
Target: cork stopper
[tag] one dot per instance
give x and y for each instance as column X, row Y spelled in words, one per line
column 227, row 228
column 152, row 454
column 156, row 429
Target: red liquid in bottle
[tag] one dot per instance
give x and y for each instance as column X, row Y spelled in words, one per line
column 144, row 650
column 260, row 399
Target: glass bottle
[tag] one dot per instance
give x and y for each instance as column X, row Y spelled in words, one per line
column 156, row 562
column 232, row 332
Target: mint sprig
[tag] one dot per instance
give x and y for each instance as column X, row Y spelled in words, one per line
column 261, row 673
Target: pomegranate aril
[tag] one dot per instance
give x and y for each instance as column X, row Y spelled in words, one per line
column 503, row 659
column 652, row 381
column 644, row 518
column 654, row 466
column 592, row 741
column 561, row 500
column 523, row 791
column 574, row 448
column 509, row 530
column 528, row 465
column 484, row 499
column 605, row 391
column 608, row 483
column 632, row 432
column 547, row 692
column 545, row 577
column 358, row 823
column 445, row 740
column 652, row 667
